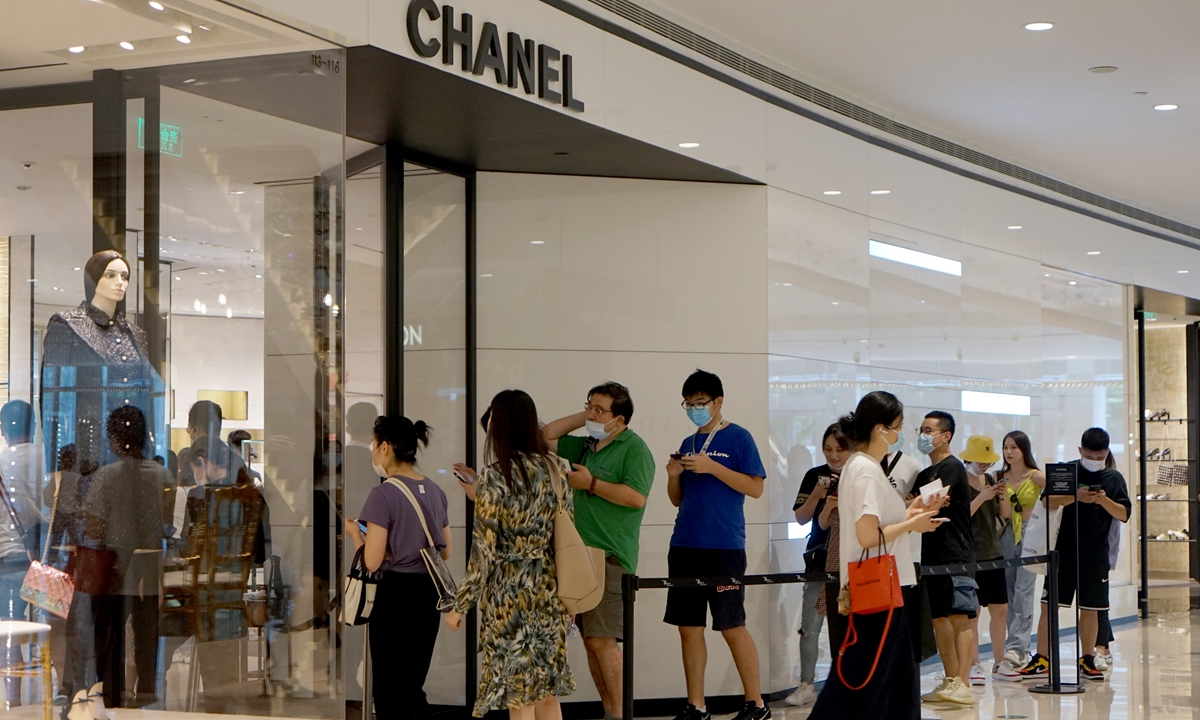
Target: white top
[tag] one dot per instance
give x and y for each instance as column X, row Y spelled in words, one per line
column 903, row 477
column 863, row 490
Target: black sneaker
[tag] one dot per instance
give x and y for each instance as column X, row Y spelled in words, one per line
column 691, row 712
column 1088, row 670
column 751, row 711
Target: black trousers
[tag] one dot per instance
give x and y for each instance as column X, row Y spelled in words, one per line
column 403, row 630
column 835, row 620
column 893, row 692
column 110, row 613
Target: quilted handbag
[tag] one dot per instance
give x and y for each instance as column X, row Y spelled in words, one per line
column 44, row 586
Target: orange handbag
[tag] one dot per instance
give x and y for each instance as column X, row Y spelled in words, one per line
column 874, row 585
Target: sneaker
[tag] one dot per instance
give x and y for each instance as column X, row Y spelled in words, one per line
column 932, row 696
column 957, row 692
column 977, row 676
column 751, row 711
column 1016, row 658
column 1037, row 667
column 1100, row 662
column 691, row 712
column 1004, row 671
column 804, row 696
column 1088, row 669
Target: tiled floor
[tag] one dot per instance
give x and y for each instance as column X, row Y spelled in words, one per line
column 1157, row 664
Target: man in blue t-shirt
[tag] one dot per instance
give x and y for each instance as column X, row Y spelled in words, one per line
column 708, row 480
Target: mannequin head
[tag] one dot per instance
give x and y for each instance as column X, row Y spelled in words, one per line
column 106, row 279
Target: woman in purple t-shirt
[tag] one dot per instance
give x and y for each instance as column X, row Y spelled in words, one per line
column 405, row 613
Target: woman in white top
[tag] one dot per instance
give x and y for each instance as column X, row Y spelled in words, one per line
column 870, row 506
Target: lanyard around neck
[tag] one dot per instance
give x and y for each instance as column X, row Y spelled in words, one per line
column 711, row 435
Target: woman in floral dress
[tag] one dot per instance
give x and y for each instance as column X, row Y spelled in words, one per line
column 511, row 575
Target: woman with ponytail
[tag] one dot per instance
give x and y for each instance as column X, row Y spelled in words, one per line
column 875, row 673
column 405, row 618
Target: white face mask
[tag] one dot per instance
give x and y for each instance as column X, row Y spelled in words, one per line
column 375, row 466
column 596, row 429
column 1091, row 465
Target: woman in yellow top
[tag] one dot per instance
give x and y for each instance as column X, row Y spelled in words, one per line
column 1023, row 482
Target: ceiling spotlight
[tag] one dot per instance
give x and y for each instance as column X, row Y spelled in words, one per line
column 537, row 242
column 1166, row 106
column 1093, row 252
column 222, row 299
column 229, row 313
column 689, row 145
column 833, row 192
column 486, row 275
column 237, row 192
column 1072, row 283
column 189, row 81
column 76, row 269
column 258, row 277
column 1039, row 26
column 1103, row 69
column 1182, row 272
column 178, row 278
column 76, row 49
column 126, row 45
column 881, row 192
column 1046, row 275
column 156, row 6
column 1015, row 227
column 183, row 39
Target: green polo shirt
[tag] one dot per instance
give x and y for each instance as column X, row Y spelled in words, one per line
column 626, row 461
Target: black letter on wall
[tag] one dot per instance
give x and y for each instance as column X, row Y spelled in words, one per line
column 547, row 74
column 452, row 37
column 520, row 62
column 491, row 53
column 425, row 49
column 569, row 100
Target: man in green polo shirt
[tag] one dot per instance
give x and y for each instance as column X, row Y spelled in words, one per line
column 614, row 470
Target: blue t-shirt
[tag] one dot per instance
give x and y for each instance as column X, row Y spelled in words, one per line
column 712, row 514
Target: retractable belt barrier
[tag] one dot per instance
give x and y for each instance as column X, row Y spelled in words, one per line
column 630, row 584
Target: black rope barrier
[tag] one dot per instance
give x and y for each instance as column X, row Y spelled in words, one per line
column 631, row 584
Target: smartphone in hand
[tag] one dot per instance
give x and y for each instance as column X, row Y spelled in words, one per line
column 463, row 478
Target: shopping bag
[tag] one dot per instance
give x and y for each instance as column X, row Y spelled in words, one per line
column 1033, row 534
column 874, row 585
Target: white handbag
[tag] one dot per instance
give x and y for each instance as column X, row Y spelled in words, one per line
column 1033, row 536
column 358, row 594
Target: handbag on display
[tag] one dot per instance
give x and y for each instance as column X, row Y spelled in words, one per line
column 1165, row 474
column 358, row 591
column 578, row 568
column 874, row 587
column 434, row 562
column 1179, row 474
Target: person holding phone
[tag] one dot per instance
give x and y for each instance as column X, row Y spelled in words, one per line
column 818, row 490
column 1023, row 483
column 880, row 659
column 405, row 614
column 613, row 471
column 989, row 510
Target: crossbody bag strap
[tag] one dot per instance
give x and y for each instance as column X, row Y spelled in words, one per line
column 887, row 469
column 12, row 511
column 416, row 506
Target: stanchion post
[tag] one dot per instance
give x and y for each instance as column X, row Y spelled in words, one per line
column 629, row 587
column 1052, row 622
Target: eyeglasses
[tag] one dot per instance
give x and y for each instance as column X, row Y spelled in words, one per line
column 592, row 407
column 691, row 406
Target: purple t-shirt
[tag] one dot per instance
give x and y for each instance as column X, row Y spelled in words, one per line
column 387, row 507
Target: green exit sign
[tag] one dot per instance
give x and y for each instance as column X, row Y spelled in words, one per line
column 170, row 138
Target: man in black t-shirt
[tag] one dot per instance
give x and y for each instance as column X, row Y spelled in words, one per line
column 950, row 544
column 1103, row 499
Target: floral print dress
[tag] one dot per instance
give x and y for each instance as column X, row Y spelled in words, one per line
column 511, row 576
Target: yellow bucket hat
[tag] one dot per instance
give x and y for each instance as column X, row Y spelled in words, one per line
column 979, row 450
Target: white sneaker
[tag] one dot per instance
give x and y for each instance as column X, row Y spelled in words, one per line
column 977, row 676
column 1005, row 672
column 1101, row 662
column 1016, row 659
column 957, row 692
column 803, row 696
column 933, row 695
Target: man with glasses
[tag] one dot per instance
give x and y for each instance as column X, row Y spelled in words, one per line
column 614, row 470
column 708, row 479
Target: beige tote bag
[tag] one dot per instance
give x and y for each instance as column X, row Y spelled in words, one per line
column 579, row 568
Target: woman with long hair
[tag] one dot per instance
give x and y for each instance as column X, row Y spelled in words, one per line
column 1023, row 483
column 875, row 673
column 404, row 620
column 511, row 573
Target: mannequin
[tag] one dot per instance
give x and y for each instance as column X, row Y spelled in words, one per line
column 93, row 362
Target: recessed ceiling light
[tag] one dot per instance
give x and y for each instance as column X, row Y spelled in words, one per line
column 229, row 313
column 913, row 257
column 222, row 299
column 237, row 192
column 833, row 192
column 1166, row 106
column 881, row 192
column 1014, row 227
column 189, row 81
column 127, row 45
column 1046, row 275
column 486, row 275
column 76, row 269
column 1103, row 69
column 1093, row 252
column 835, row 302
column 1039, row 26
column 259, row 277
column 1182, row 272
column 358, row 228
column 183, row 39
column 537, row 242
column 1071, row 283
column 689, row 145
column 156, row 6
column 178, row 278
column 76, row 49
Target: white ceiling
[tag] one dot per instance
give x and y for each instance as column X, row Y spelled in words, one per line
column 970, row 72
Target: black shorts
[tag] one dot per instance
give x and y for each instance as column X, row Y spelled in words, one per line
column 993, row 587
column 688, row 607
column 940, row 589
column 1092, row 587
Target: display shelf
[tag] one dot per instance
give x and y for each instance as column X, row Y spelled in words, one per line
column 1169, row 540
column 1170, row 460
column 1171, row 420
column 1177, row 500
